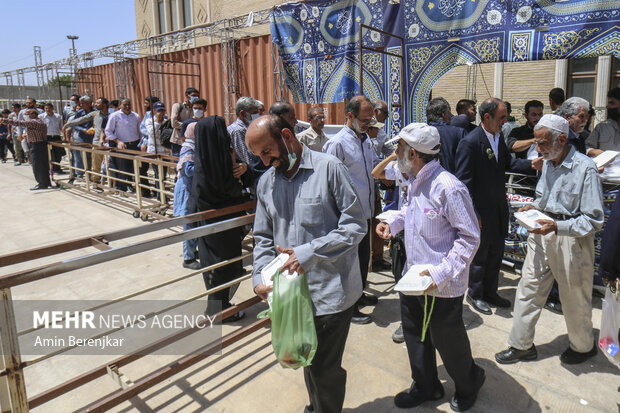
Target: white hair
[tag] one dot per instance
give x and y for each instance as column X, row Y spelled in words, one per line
column 572, row 106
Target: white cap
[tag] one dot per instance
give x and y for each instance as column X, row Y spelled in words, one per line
column 420, row 136
column 555, row 122
column 375, row 123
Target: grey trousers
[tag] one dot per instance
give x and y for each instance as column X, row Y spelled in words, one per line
column 569, row 261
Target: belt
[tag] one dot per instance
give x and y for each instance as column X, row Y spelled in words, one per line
column 559, row 217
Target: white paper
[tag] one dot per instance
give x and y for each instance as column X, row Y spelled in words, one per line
column 412, row 283
column 528, row 218
column 270, row 269
column 387, row 215
column 605, row 158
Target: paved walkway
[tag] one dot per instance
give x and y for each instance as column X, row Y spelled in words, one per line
column 246, row 377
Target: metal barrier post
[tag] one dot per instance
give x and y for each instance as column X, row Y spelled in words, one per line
column 136, row 174
column 162, row 194
column 12, row 355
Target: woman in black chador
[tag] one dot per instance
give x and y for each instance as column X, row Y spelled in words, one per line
column 217, row 185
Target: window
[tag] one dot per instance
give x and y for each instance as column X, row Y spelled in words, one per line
column 161, row 13
column 174, row 14
column 582, row 78
column 187, row 13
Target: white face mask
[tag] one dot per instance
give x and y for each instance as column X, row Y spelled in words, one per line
column 72, row 103
column 292, row 157
column 199, row 113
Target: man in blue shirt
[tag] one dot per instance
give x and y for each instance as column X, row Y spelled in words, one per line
column 353, row 147
column 83, row 135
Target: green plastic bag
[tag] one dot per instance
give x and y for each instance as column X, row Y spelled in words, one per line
column 293, row 335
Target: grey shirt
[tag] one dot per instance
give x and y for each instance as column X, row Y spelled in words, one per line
column 318, row 214
column 572, row 188
column 360, row 158
column 605, row 136
column 97, row 119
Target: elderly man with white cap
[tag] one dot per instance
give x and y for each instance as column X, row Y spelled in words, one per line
column 569, row 192
column 441, row 233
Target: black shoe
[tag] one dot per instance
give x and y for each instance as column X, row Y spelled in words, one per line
column 360, row 318
column 554, row 307
column 70, row 181
column 479, row 305
column 235, row 317
column 192, row 265
column 460, row 404
column 398, row 336
column 513, row 355
column 413, row 397
column 498, row 301
column 367, row 299
column 570, row 356
column 37, row 187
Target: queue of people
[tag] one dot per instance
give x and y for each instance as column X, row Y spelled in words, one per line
column 317, row 198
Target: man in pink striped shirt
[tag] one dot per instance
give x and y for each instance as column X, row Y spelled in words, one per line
column 442, row 233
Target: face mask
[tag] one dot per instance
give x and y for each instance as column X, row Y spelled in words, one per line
column 254, row 117
column 72, row 103
column 612, row 113
column 292, row 157
column 199, row 113
column 193, row 99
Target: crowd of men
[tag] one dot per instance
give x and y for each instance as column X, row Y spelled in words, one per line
column 317, row 199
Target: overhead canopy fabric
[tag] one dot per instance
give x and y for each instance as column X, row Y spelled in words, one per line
column 318, row 41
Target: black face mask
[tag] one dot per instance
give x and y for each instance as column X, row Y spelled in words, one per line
column 613, row 114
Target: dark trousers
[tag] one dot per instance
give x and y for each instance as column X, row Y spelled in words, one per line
column 363, row 251
column 216, row 248
column 57, row 153
column 484, row 269
column 3, row 145
column 144, row 170
column 176, row 149
column 326, row 379
column 446, row 333
column 125, row 165
column 40, row 163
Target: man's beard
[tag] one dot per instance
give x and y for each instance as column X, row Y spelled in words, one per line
column 283, row 159
column 554, row 153
column 405, row 165
column 355, row 125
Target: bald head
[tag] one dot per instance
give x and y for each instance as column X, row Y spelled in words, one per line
column 270, row 138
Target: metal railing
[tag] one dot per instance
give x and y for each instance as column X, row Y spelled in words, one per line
column 104, row 183
column 13, row 395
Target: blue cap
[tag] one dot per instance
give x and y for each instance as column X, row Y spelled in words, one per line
column 157, row 106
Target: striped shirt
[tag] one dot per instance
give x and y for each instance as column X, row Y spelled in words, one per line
column 441, row 228
column 237, row 131
column 36, row 129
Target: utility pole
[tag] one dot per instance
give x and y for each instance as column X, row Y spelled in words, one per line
column 38, row 61
column 73, row 55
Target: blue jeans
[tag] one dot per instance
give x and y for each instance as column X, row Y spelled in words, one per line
column 189, row 246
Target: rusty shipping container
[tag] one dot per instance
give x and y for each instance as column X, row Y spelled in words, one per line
column 255, row 67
